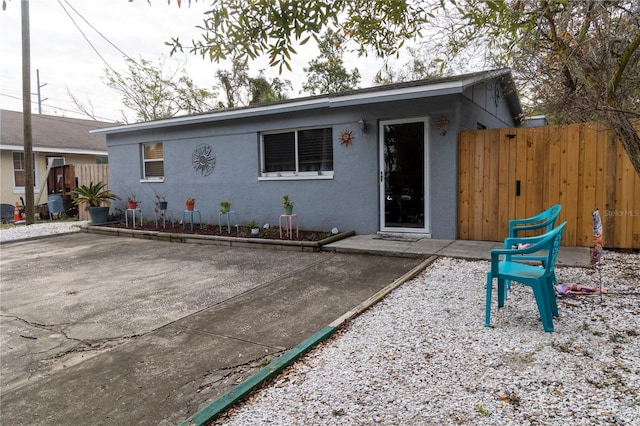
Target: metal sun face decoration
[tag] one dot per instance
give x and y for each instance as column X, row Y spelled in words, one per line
column 203, row 158
column 346, row 137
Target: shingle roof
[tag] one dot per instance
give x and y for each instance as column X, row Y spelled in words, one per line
column 53, row 133
column 395, row 91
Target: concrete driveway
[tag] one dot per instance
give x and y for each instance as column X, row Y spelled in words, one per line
column 109, row 330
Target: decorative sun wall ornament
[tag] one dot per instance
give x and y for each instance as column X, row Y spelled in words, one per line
column 346, row 137
column 203, row 158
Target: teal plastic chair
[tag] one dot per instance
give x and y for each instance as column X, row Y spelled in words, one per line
column 539, row 278
column 544, row 221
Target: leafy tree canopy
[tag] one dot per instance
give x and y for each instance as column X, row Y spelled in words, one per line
column 578, row 59
column 326, row 73
column 154, row 92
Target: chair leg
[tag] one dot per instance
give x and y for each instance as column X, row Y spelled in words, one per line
column 544, row 308
column 487, row 315
column 502, row 292
column 551, row 298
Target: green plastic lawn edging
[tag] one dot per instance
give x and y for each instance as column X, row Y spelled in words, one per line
column 243, row 389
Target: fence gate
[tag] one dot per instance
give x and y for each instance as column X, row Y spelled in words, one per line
column 514, row 173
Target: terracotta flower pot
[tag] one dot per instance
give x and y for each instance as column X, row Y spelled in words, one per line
column 190, row 206
column 133, row 205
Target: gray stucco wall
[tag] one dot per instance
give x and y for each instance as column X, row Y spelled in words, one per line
column 348, row 201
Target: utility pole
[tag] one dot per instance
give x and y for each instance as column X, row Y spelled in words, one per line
column 39, row 87
column 29, row 179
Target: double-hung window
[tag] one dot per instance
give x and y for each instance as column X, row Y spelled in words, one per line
column 19, row 172
column 298, row 152
column 152, row 161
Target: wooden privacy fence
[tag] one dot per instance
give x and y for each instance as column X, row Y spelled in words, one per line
column 87, row 173
column 516, row 173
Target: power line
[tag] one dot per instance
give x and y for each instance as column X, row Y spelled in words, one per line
column 86, row 38
column 97, row 31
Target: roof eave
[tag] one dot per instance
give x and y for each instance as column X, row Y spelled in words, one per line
column 55, row 150
column 326, row 101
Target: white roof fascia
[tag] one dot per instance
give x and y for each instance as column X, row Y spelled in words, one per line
column 216, row 116
column 54, row 150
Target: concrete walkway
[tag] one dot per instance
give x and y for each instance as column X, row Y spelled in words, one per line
column 424, row 247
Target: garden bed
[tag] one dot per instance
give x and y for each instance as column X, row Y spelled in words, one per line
column 305, row 240
column 214, row 230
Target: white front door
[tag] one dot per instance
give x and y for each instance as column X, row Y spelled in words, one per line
column 404, row 175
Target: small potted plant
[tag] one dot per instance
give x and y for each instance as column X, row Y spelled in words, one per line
column 131, row 201
column 93, row 196
column 287, row 204
column 225, row 206
column 161, row 202
column 190, row 203
column 255, row 231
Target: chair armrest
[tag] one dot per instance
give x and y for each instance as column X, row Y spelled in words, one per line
column 537, row 243
column 509, row 242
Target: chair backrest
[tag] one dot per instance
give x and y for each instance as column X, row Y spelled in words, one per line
column 554, row 248
column 544, row 221
column 552, row 214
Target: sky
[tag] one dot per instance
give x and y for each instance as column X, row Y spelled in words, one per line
column 66, row 61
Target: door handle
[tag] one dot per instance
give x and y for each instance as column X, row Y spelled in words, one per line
column 381, row 176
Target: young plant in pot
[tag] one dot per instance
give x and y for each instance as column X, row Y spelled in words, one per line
column 161, row 201
column 287, row 204
column 255, row 231
column 190, row 203
column 132, row 203
column 225, row 206
column 97, row 199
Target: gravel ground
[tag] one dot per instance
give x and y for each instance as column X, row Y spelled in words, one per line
column 422, row 356
column 21, row 232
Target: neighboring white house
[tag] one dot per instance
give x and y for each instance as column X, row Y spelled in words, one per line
column 55, row 139
column 381, row 159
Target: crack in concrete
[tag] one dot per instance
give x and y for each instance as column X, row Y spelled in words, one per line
column 213, row 384
column 58, row 328
column 48, row 327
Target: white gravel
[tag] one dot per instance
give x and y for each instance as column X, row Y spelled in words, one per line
column 422, row 356
column 21, row 232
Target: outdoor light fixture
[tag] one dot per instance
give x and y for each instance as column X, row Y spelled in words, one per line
column 362, row 125
column 443, row 125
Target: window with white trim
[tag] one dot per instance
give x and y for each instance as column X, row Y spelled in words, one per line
column 19, row 174
column 152, row 161
column 307, row 151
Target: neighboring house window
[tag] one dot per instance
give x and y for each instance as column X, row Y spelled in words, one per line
column 303, row 152
column 19, row 175
column 102, row 160
column 152, row 161
column 55, row 161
